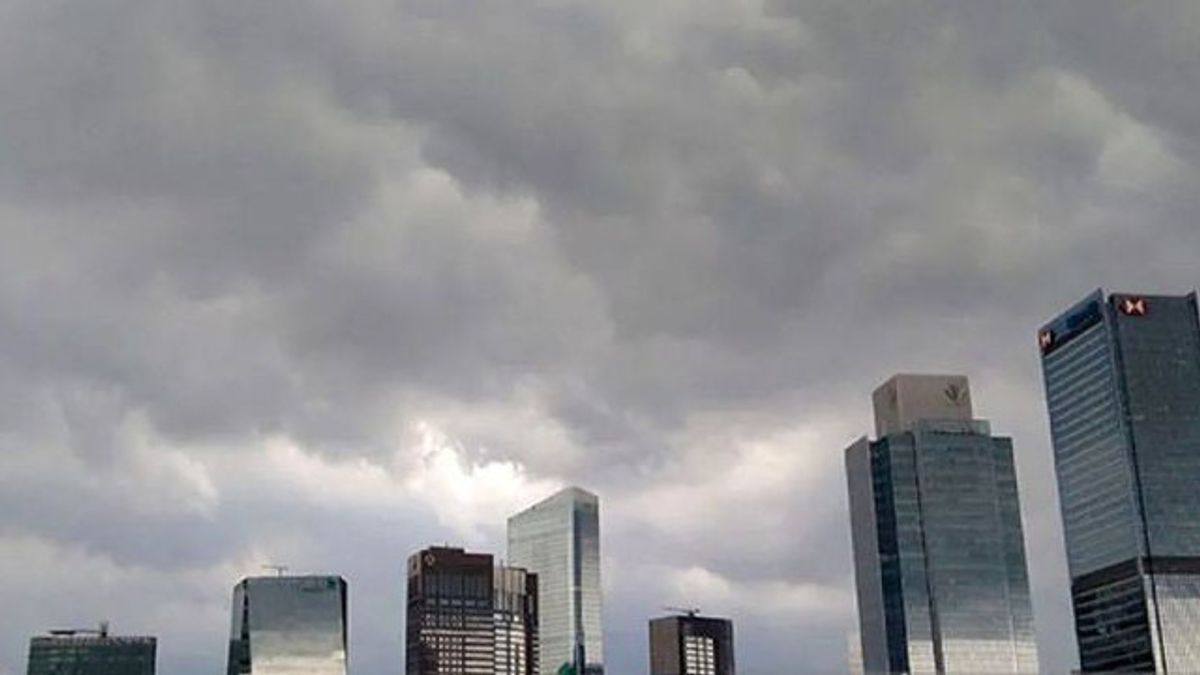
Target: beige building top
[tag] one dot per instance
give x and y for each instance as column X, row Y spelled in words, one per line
column 905, row 399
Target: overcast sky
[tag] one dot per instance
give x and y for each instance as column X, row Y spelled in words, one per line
column 321, row 282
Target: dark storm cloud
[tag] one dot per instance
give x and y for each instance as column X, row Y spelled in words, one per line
column 661, row 248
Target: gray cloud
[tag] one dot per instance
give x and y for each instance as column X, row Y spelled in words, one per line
column 664, row 249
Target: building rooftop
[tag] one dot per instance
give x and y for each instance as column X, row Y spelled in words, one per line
column 906, row 399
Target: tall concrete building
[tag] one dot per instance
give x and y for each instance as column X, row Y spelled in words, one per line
column 468, row 617
column 939, row 555
column 289, row 625
column 91, row 652
column 691, row 645
column 559, row 540
column 1122, row 379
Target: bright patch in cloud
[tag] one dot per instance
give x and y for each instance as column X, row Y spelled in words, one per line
column 468, row 495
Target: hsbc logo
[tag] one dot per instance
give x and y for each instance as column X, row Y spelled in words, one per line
column 1046, row 340
column 1133, row 306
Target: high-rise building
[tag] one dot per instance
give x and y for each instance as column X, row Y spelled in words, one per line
column 515, row 605
column 1122, row 378
column 91, row 652
column 468, row 617
column 559, row 540
column 289, row 625
column 939, row 555
column 691, row 645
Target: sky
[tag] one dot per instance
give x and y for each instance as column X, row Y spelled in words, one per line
column 320, row 283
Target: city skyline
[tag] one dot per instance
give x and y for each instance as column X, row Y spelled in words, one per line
column 1146, row 373
column 323, row 284
column 903, row 405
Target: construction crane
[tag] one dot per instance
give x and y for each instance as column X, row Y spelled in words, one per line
column 690, row 612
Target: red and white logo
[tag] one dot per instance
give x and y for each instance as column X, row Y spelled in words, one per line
column 1046, row 340
column 1133, row 306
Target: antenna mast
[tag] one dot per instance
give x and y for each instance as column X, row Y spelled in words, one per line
column 278, row 569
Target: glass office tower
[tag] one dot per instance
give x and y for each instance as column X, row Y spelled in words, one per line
column 1122, row 379
column 289, row 626
column 691, row 645
column 559, row 540
column 939, row 555
column 80, row 652
column 468, row 617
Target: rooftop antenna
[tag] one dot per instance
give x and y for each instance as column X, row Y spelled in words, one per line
column 278, row 569
column 690, row 612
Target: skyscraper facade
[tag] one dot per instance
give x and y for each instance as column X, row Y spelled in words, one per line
column 1122, row 379
column 468, row 617
column 939, row 556
column 515, row 608
column 559, row 540
column 691, row 645
column 289, row 625
column 76, row 652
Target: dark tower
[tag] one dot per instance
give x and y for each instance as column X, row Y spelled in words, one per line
column 691, row 645
column 91, row 652
column 467, row 616
column 1122, row 379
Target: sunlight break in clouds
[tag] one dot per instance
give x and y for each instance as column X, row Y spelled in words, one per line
column 428, row 467
column 467, row 495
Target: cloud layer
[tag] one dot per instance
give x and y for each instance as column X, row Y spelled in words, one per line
column 324, row 283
